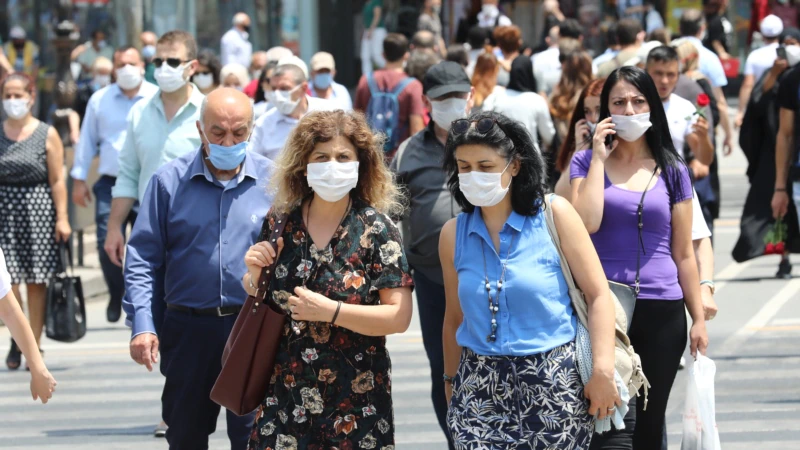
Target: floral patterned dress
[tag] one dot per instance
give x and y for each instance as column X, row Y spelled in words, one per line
column 331, row 388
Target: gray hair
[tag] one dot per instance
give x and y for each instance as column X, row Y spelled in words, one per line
column 292, row 71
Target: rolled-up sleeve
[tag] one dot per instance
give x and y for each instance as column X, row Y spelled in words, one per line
column 127, row 185
column 145, row 257
column 87, row 145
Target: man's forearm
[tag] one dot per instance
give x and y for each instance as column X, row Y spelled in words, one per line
column 722, row 104
column 120, row 208
column 704, row 253
column 744, row 94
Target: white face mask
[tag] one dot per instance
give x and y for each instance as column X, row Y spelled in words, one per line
column 283, row 101
column 270, row 96
column 483, row 189
column 170, row 79
column 446, row 111
column 592, row 126
column 129, row 77
column 489, row 10
column 631, row 128
column 102, row 80
column 332, row 180
column 16, row 108
column 204, row 80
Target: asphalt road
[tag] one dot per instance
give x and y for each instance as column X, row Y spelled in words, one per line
column 105, row 400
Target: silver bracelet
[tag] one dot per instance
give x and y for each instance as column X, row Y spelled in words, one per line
column 250, row 281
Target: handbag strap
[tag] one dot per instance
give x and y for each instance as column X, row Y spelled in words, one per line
column 65, row 254
column 269, row 271
column 639, row 214
column 581, row 309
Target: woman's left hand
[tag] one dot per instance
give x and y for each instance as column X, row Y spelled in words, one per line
column 308, row 306
column 699, row 337
column 63, row 230
column 601, row 390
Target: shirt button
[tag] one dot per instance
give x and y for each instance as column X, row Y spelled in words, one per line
column 225, row 216
column 224, row 242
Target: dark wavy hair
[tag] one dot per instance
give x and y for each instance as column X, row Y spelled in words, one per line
column 512, row 141
column 657, row 136
column 569, row 147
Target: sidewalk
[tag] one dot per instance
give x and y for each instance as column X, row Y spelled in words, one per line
column 94, row 286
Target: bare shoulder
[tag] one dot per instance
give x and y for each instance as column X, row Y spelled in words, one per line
column 563, row 211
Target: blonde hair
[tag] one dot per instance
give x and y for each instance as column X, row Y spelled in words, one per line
column 375, row 186
column 237, row 70
column 689, row 56
column 102, row 63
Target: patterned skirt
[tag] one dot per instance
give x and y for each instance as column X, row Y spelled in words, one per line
column 532, row 402
column 28, row 233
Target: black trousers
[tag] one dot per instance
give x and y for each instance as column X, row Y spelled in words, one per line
column 431, row 305
column 191, row 353
column 658, row 334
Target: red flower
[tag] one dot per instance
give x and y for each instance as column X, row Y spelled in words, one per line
column 345, row 405
column 780, row 247
column 340, row 341
column 770, row 249
column 703, row 100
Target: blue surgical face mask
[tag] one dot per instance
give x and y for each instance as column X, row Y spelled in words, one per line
column 226, row 158
column 323, row 80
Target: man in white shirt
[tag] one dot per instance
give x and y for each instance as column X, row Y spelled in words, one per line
column 759, row 61
column 103, row 133
column 491, row 17
column 235, row 48
column 547, row 61
column 323, row 71
column 290, row 86
column 684, row 125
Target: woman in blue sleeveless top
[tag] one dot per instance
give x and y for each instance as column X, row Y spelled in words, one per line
column 509, row 332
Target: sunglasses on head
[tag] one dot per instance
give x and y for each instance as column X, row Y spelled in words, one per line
column 172, row 62
column 482, row 126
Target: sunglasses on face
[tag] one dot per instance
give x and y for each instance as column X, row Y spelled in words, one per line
column 172, row 62
column 482, row 126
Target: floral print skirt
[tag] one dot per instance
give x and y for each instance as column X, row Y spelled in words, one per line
column 531, row 402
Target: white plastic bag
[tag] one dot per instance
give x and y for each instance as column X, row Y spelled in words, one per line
column 699, row 423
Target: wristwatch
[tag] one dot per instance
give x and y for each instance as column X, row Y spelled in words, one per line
column 447, row 378
column 710, row 284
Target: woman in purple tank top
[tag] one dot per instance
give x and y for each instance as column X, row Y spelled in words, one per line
column 633, row 162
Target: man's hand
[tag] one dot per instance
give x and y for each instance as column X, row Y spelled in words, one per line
column 739, row 120
column 699, row 169
column 779, row 66
column 727, row 146
column 710, row 308
column 780, row 204
column 144, row 350
column 115, row 244
column 80, row 193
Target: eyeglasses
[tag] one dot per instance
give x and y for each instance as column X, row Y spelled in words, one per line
column 172, row 62
column 482, row 126
column 201, row 73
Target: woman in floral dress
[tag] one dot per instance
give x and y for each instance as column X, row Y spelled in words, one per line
column 344, row 282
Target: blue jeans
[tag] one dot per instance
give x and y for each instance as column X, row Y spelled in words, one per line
column 111, row 273
column 796, row 198
column 431, row 306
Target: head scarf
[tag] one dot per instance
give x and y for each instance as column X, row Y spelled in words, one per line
column 522, row 78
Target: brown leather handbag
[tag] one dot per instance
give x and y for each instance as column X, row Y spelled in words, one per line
column 249, row 355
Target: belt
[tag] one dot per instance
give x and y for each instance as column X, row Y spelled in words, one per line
column 220, row 311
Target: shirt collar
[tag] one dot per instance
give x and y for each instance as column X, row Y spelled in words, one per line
column 195, row 99
column 145, row 90
column 515, row 221
column 199, row 168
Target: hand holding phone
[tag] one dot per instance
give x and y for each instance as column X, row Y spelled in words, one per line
column 781, row 51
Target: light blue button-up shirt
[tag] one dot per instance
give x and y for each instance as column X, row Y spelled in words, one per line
column 152, row 142
column 272, row 129
column 195, row 231
column 535, row 312
column 709, row 63
column 104, row 128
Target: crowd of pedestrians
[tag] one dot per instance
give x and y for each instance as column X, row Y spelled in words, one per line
column 439, row 176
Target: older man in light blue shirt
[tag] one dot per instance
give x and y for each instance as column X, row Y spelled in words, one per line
column 235, row 46
column 103, row 133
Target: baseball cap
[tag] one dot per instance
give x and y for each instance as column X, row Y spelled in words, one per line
column 17, row 32
column 444, row 78
column 322, row 60
column 771, row 26
column 294, row 61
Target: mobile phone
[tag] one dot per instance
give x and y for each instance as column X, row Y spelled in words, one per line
column 781, row 51
column 609, row 140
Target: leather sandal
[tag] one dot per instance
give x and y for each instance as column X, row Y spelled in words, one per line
column 14, row 358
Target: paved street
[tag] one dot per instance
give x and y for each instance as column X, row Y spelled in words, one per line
column 104, row 400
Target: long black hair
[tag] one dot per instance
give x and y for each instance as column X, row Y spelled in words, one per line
column 521, row 75
column 512, row 141
column 264, row 77
column 658, row 136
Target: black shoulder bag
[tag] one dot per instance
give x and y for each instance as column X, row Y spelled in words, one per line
column 66, row 307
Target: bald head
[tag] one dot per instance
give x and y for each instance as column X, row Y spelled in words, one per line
column 259, row 61
column 424, row 40
column 148, row 38
column 241, row 20
column 226, row 117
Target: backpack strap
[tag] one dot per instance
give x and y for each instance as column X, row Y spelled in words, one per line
column 373, row 86
column 401, row 86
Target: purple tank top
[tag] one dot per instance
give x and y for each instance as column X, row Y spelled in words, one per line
column 616, row 241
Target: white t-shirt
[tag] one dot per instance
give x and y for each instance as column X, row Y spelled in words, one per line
column 529, row 108
column 699, row 227
column 5, row 278
column 680, row 115
column 761, row 60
